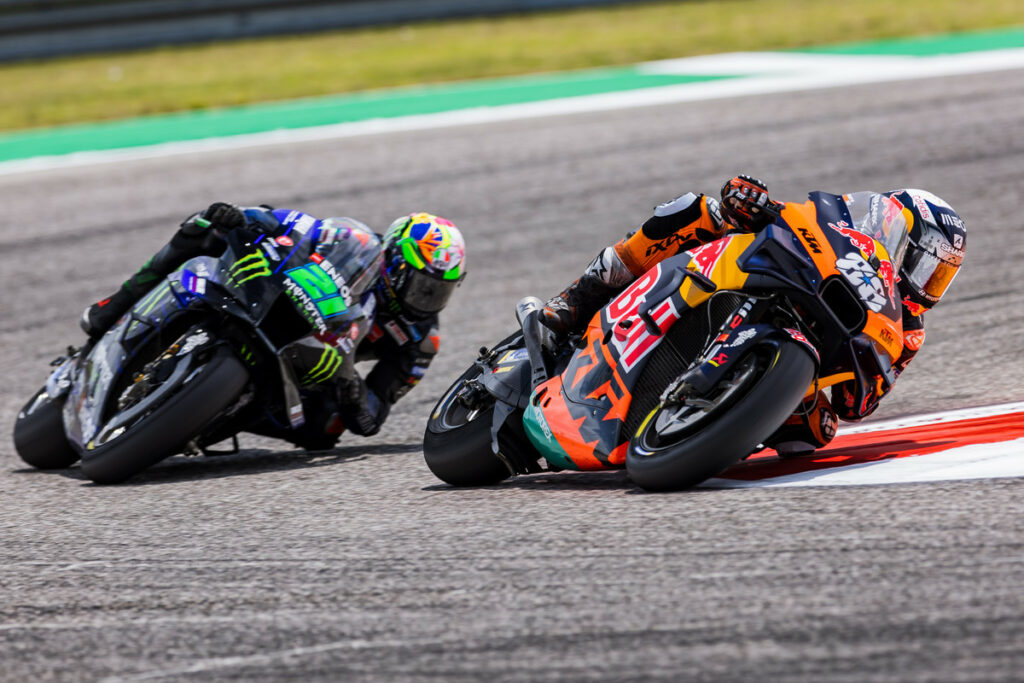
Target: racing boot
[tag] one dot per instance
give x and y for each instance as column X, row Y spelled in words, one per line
column 569, row 311
column 101, row 316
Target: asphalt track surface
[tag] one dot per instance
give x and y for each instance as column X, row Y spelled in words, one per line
column 358, row 565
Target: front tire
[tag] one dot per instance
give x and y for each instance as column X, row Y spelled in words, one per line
column 39, row 434
column 457, row 441
column 663, row 463
column 169, row 427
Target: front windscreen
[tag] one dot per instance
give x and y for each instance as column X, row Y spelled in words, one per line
column 881, row 218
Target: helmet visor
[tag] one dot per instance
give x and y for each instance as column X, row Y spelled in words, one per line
column 424, row 294
column 929, row 274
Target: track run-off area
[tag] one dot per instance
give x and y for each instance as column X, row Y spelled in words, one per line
column 894, row 555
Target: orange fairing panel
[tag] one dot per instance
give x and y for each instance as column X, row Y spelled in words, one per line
column 803, row 218
column 887, row 332
column 565, row 427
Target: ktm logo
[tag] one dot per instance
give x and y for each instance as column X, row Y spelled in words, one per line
column 812, row 243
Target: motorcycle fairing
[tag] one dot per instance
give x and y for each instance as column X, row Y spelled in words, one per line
column 576, row 418
column 94, row 378
column 860, row 260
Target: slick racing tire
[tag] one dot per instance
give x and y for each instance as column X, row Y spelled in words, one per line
column 39, row 434
column 457, row 442
column 767, row 385
column 169, row 427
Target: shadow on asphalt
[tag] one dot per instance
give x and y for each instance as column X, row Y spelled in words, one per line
column 559, row 481
column 249, row 461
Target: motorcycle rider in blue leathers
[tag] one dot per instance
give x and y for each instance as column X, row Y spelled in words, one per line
column 408, row 276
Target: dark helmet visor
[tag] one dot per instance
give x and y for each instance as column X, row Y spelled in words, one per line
column 423, row 294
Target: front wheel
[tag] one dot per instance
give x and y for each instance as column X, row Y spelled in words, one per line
column 681, row 445
column 457, row 442
column 39, row 434
column 211, row 389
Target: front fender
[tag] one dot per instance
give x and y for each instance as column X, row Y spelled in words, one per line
column 733, row 345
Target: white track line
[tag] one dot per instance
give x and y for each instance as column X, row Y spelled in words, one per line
column 779, row 72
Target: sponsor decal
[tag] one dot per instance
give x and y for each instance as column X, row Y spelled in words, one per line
column 720, row 359
column 271, row 251
column 913, row 339
column 958, row 242
column 193, row 283
column 306, row 304
column 514, row 356
column 543, row 424
column 952, row 251
column 320, row 288
column 328, row 364
column 248, row 267
column 741, row 338
column 375, row 333
column 885, row 272
column 196, row 340
column 913, row 309
column 892, row 212
column 303, row 224
column 922, row 207
column 285, row 241
column 396, row 332
column 859, row 273
column 674, row 240
column 952, row 221
column 859, row 239
column 634, row 342
column 343, row 287
column 809, row 239
column 714, row 210
column 887, row 337
column 706, row 256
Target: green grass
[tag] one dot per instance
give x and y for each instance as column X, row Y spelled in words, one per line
column 113, row 86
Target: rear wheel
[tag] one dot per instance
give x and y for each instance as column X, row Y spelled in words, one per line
column 39, row 434
column 211, row 388
column 682, row 444
column 457, row 442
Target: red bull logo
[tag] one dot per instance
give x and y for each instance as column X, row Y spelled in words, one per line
column 859, row 239
column 885, row 271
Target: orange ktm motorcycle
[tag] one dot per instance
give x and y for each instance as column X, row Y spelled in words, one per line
column 695, row 364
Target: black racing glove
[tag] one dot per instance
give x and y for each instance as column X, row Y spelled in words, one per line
column 219, row 217
column 224, row 217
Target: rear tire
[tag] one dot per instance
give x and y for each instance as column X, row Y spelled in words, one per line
column 459, row 452
column 731, row 436
column 39, row 434
column 165, row 431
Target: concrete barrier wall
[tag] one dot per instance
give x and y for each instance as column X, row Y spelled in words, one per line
column 44, row 28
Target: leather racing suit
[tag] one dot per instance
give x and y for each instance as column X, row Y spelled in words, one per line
column 688, row 222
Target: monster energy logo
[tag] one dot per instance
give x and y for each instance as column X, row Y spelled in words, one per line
column 249, row 268
column 329, row 363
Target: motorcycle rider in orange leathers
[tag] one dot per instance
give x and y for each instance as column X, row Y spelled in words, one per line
column 937, row 239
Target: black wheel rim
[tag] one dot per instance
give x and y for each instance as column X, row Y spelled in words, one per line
column 668, row 425
column 461, row 405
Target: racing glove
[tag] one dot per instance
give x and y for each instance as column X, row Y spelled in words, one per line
column 745, row 203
